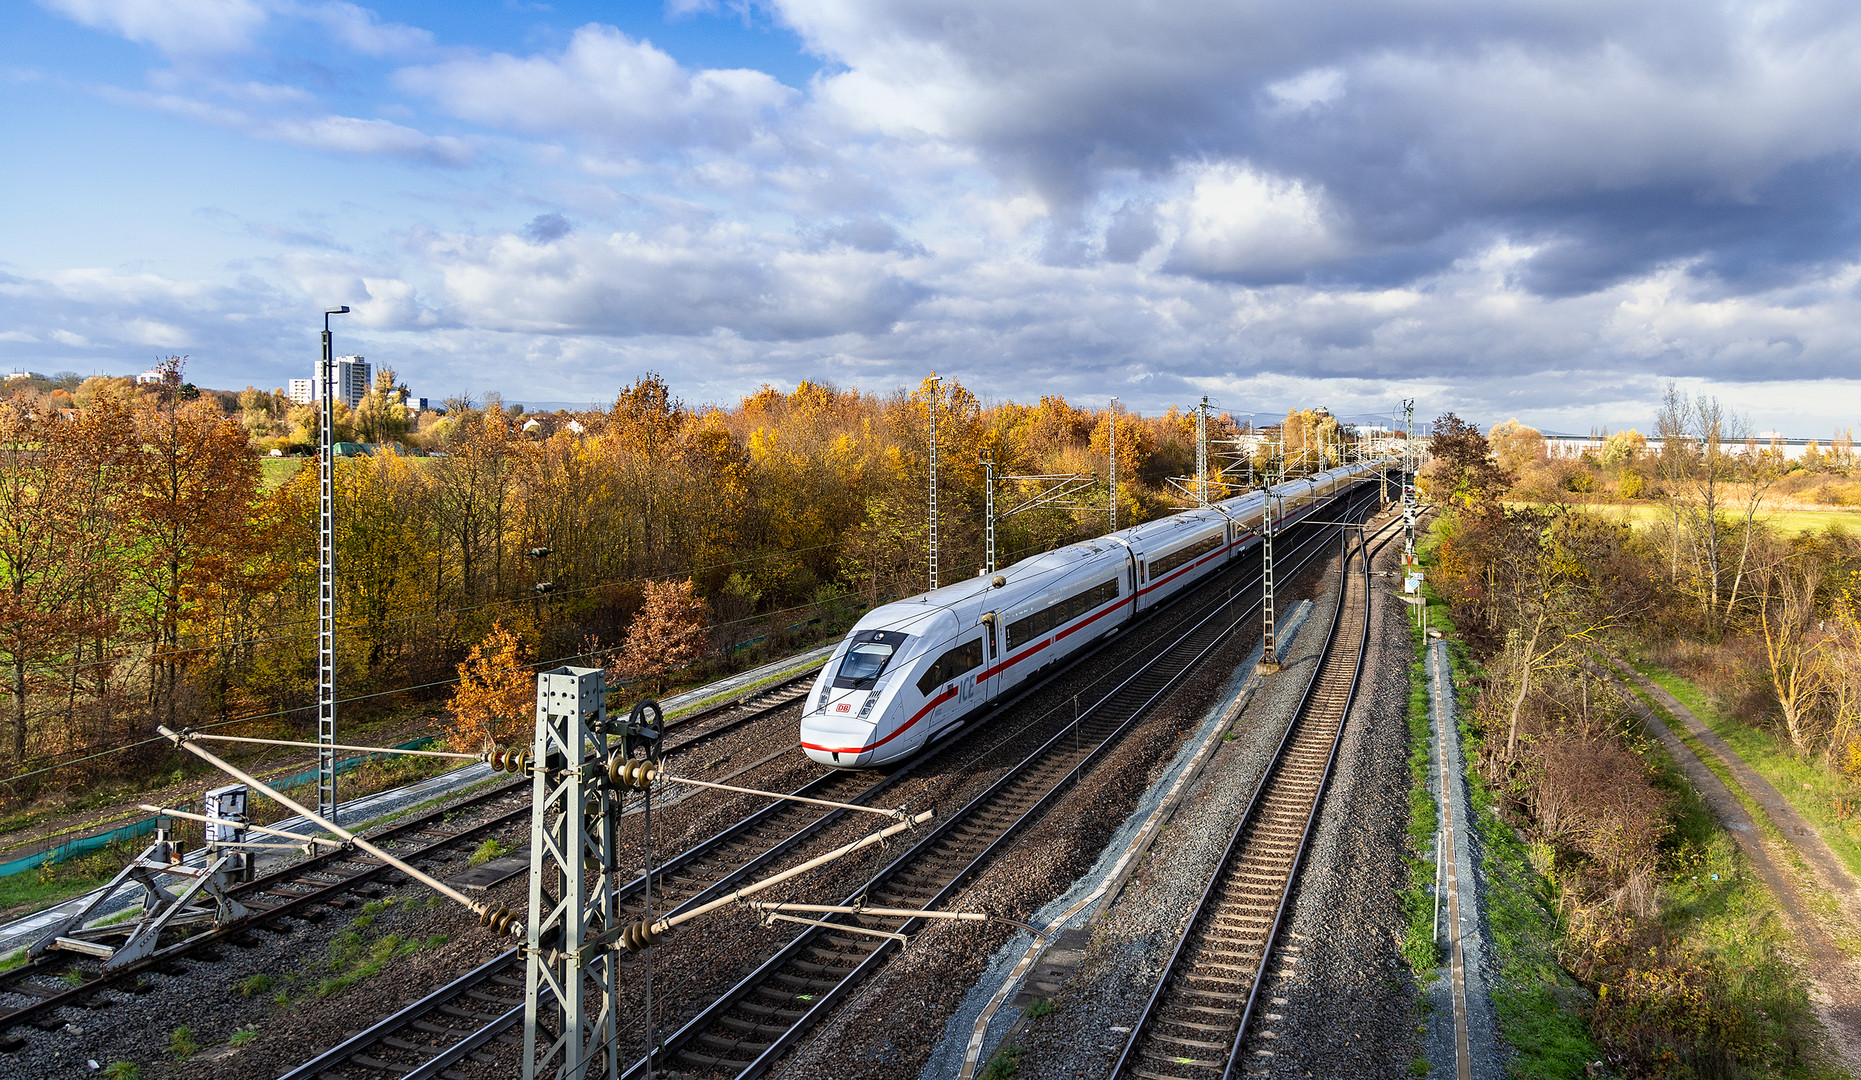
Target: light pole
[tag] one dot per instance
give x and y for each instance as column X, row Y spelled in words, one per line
column 1111, row 441
column 326, row 575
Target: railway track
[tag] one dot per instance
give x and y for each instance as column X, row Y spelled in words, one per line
column 747, row 1030
column 308, row 889
column 1195, row 1023
column 463, row 1018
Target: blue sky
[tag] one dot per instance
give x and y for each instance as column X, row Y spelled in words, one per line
column 1540, row 208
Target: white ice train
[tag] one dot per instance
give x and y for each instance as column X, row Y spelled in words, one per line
column 914, row 671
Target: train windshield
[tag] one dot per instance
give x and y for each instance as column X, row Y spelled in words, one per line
column 867, row 658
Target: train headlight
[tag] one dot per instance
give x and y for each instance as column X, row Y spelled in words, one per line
column 866, row 709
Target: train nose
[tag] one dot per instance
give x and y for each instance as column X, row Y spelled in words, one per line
column 837, row 738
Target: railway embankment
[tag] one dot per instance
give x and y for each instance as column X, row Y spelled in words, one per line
column 1812, row 890
column 1340, row 949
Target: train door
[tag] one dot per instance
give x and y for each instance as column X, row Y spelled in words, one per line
column 989, row 679
column 949, row 685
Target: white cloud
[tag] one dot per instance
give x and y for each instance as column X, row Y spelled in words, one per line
column 1237, row 222
column 607, row 87
column 1308, row 89
column 362, row 30
column 330, row 133
column 176, row 27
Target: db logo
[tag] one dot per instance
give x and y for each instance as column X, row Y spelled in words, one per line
column 843, row 708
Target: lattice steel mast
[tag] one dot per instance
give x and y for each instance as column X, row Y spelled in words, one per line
column 326, row 574
column 935, row 387
column 1111, row 440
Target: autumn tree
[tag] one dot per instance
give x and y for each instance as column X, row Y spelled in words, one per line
column 381, row 416
column 1461, row 468
column 191, row 490
column 667, row 634
column 56, row 514
column 496, row 693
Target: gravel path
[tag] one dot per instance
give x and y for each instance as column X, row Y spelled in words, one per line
column 1486, row 1053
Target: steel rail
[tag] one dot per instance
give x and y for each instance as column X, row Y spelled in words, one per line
column 1139, row 1058
column 349, row 870
column 680, row 878
column 1064, row 757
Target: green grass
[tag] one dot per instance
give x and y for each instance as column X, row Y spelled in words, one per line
column 122, row 1070
column 745, row 689
column 256, row 985
column 243, row 1036
column 1038, row 1008
column 1542, row 1008
column 26, row 892
column 182, row 1044
column 1006, row 1062
column 1643, row 515
column 1716, row 904
column 1813, row 790
column 15, row 959
column 275, row 472
column 485, row 852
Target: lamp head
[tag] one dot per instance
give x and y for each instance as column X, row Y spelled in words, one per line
column 343, row 310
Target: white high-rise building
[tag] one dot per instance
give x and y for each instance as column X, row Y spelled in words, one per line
column 303, row 391
column 352, row 380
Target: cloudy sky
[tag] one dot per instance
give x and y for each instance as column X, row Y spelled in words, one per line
column 1540, row 208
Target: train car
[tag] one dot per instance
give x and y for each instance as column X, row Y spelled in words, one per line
column 917, row 670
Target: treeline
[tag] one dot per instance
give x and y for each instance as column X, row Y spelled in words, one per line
column 1547, row 592
column 151, row 575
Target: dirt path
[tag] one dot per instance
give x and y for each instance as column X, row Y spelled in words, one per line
column 1835, row 977
column 1827, row 869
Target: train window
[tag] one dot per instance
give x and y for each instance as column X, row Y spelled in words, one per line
column 958, row 661
column 1183, row 555
column 867, row 658
column 1024, row 630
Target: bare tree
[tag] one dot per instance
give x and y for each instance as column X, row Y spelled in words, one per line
column 1787, row 616
column 1699, row 462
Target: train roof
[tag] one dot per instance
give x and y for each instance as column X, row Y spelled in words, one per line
column 917, row 614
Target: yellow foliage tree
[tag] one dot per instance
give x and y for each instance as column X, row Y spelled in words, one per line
column 497, row 692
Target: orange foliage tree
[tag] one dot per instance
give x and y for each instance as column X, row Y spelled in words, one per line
column 497, row 692
column 667, row 634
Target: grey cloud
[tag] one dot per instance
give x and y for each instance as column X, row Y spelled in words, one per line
column 1132, row 232
column 1556, row 123
column 869, row 233
column 680, row 283
column 547, row 228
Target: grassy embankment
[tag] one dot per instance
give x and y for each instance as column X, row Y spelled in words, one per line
column 1541, row 1007
column 1713, row 909
column 1827, row 800
column 1715, row 905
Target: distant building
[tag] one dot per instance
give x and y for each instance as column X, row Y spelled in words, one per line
column 418, row 404
column 149, row 377
column 11, row 375
column 303, row 391
column 352, row 377
column 352, row 380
